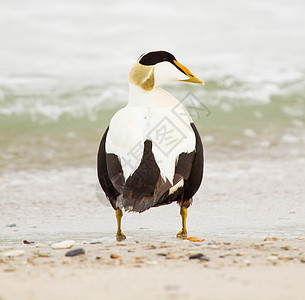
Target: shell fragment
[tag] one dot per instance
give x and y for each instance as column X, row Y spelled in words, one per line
column 63, row 245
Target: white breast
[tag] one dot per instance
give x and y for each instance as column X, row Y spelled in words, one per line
column 165, row 122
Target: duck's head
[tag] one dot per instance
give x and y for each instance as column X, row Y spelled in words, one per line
column 158, row 67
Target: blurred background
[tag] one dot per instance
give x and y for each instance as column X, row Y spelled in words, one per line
column 64, row 73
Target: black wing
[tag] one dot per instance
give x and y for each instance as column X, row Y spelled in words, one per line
column 103, row 175
column 192, row 184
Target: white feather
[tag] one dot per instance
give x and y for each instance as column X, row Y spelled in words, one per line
column 174, row 188
column 166, row 72
column 155, row 115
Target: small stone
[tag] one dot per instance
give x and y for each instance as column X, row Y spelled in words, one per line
column 199, row 256
column 63, row 245
column 27, row 242
column 285, row 247
column 75, row 252
column 98, row 258
column 302, row 260
column 43, row 254
column 13, row 253
column 247, row 262
column 240, row 254
column 271, row 239
column 115, row 256
column 11, row 225
column 161, row 254
column 196, row 256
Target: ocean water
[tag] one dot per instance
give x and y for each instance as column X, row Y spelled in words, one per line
column 63, row 74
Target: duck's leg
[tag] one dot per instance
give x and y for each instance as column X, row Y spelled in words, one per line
column 119, row 235
column 182, row 234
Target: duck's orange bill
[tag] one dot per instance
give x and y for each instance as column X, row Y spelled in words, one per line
column 187, row 72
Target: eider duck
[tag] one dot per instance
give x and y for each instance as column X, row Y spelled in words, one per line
column 151, row 154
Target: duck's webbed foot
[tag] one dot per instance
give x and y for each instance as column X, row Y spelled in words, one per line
column 120, row 236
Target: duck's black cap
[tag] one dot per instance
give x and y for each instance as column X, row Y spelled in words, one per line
column 152, row 58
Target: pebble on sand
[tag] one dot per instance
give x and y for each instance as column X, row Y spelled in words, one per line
column 27, row 242
column 11, row 225
column 63, row 245
column 43, row 254
column 271, row 239
column 115, row 256
column 75, row 252
column 199, row 256
column 13, row 253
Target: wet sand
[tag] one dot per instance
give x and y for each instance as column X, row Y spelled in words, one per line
column 239, row 198
column 272, row 268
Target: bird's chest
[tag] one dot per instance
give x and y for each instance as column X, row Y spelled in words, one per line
column 168, row 128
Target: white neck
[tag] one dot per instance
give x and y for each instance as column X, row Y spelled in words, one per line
column 154, row 97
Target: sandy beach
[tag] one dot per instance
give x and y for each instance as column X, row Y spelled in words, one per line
column 254, row 246
column 272, row 268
